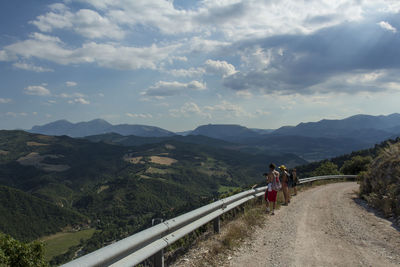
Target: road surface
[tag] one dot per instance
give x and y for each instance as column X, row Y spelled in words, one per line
column 323, row 226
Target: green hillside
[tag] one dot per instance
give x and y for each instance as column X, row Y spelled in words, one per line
column 26, row 217
column 121, row 188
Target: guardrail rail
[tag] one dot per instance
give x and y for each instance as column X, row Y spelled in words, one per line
column 136, row 248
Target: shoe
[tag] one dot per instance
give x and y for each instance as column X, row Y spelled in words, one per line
column 272, row 213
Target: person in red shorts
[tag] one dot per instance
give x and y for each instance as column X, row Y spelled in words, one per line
column 273, row 187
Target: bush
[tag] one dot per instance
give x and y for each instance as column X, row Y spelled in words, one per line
column 356, row 165
column 380, row 185
column 18, row 254
column 326, row 168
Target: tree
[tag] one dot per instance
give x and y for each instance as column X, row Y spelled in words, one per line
column 326, row 168
column 356, row 165
column 19, row 254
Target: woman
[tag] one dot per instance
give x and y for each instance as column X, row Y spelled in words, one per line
column 273, row 187
column 285, row 184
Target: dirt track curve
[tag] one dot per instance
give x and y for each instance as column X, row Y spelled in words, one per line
column 323, row 226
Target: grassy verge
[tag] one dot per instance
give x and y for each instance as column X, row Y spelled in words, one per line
column 59, row 243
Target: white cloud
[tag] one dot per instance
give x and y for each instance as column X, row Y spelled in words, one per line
column 85, row 22
column 139, row 115
column 31, row 67
column 37, row 90
column 191, row 72
column 188, row 109
column 11, row 114
column 110, row 55
column 70, row 84
column 221, row 67
column 79, row 100
column 260, row 112
column 244, row 94
column 5, row 100
column 72, row 95
column 386, row 25
column 163, row 88
column 230, row 109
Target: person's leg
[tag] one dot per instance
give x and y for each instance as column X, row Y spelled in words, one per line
column 285, row 192
column 273, row 207
column 295, row 190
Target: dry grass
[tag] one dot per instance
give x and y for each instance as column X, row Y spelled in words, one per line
column 133, row 160
column 3, row 152
column 162, row 160
column 31, row 143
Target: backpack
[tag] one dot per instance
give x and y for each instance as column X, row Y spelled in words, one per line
column 276, row 183
column 290, row 179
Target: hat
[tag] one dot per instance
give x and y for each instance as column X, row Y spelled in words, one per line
column 282, row 167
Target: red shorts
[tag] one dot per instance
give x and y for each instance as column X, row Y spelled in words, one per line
column 271, row 195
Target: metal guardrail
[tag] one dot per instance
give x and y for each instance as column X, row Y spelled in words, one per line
column 134, row 249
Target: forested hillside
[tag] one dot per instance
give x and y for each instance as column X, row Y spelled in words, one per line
column 27, row 217
column 118, row 188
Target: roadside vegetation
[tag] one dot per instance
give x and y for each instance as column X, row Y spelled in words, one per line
column 19, row 254
column 380, row 184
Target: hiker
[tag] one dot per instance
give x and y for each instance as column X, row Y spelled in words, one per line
column 285, row 184
column 295, row 181
column 274, row 185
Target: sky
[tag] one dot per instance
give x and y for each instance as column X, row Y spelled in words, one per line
column 180, row 64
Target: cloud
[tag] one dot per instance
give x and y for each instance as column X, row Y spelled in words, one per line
column 385, row 25
column 244, row 94
column 14, row 114
column 79, row 100
column 5, row 100
column 303, row 63
column 70, row 84
column 36, row 90
column 85, row 22
column 188, row 109
column 230, row 109
column 31, row 67
column 72, row 95
column 163, row 88
column 140, row 115
column 191, row 72
column 221, row 67
column 110, row 55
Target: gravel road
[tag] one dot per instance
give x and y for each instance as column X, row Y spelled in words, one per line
column 323, row 226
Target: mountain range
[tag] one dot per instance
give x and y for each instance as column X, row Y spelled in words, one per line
column 97, row 126
column 311, row 141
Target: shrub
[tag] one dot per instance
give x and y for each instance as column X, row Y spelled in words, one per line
column 356, row 165
column 326, row 168
column 380, row 185
column 18, row 254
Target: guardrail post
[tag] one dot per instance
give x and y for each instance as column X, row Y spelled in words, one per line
column 216, row 225
column 158, row 259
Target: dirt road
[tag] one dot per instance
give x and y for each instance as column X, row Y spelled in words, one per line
column 323, row 226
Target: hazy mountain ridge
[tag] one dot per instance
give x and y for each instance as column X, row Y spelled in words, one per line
column 98, row 126
column 311, row 140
